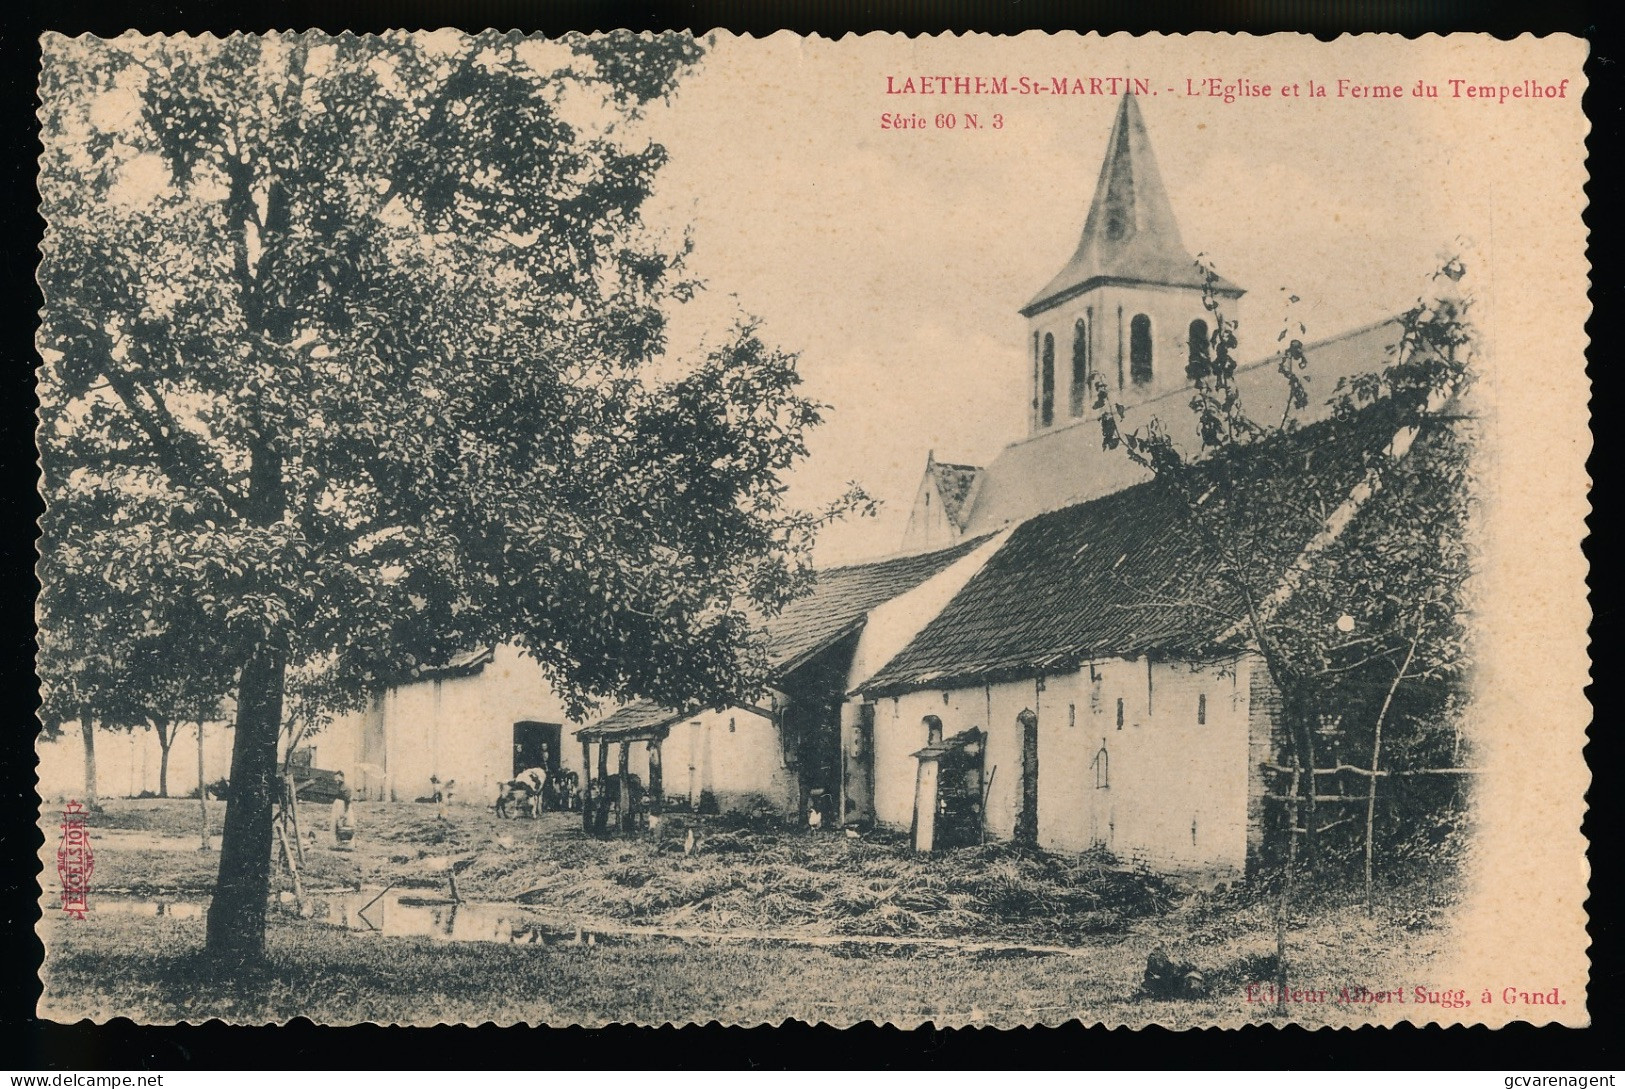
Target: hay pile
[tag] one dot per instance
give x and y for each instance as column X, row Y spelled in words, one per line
column 743, row 879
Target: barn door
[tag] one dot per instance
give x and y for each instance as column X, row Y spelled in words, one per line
column 536, row 745
column 1027, row 822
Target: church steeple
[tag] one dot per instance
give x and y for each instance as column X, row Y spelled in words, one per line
column 1131, row 235
column 1128, row 306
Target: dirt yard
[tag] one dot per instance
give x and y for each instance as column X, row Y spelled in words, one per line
column 748, row 925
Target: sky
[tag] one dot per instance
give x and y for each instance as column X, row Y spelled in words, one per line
column 895, row 261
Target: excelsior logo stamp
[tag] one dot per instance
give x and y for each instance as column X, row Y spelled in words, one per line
column 75, row 860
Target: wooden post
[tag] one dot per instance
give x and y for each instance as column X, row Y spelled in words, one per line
column 586, row 786
column 625, row 766
column 657, row 786
column 602, row 815
column 1285, row 907
column 1027, row 825
column 1371, row 783
column 293, row 818
column 202, row 791
column 925, row 804
column 293, row 867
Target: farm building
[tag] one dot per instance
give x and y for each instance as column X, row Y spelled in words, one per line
column 1033, row 609
column 1098, row 650
column 487, row 714
column 783, row 754
column 475, row 720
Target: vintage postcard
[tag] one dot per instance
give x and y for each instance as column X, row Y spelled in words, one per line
column 964, row 530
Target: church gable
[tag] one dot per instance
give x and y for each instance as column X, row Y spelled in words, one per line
column 942, row 505
column 954, row 486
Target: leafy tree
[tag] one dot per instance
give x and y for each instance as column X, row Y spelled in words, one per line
column 1349, row 584
column 111, row 658
column 362, row 377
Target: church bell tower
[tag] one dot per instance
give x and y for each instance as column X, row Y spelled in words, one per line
column 1128, row 305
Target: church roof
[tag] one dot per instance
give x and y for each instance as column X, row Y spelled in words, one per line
column 1066, row 465
column 1118, row 577
column 1131, row 235
column 954, row 484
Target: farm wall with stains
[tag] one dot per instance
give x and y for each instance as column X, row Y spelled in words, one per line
column 1149, row 760
column 459, row 727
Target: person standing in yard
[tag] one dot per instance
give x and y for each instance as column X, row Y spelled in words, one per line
column 343, row 825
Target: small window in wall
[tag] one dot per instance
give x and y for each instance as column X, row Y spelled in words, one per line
column 1201, row 709
column 1139, row 349
column 1119, row 712
column 1198, row 365
column 1046, row 392
column 1103, row 767
column 1080, row 366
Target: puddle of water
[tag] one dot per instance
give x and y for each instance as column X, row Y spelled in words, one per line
column 395, row 913
column 166, row 909
column 400, row 913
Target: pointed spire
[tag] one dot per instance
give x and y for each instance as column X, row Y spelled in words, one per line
column 1131, row 235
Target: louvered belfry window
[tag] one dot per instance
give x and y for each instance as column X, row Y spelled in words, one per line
column 1139, row 349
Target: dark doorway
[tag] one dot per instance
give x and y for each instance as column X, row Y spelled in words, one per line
column 536, row 745
column 860, row 774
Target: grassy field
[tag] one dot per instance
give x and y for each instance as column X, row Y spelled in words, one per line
column 801, row 887
column 149, row 970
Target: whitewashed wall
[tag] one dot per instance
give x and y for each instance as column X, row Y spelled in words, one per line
column 127, row 761
column 1174, row 793
column 892, row 625
column 455, row 728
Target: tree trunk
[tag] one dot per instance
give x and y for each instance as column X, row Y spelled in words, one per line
column 202, row 791
column 166, row 738
column 1283, row 910
column 625, row 765
column 87, row 727
column 1296, row 710
column 236, row 926
column 1371, row 785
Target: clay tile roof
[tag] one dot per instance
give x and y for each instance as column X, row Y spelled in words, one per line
column 836, row 607
column 1115, row 577
column 841, row 598
column 639, row 720
column 1131, row 235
